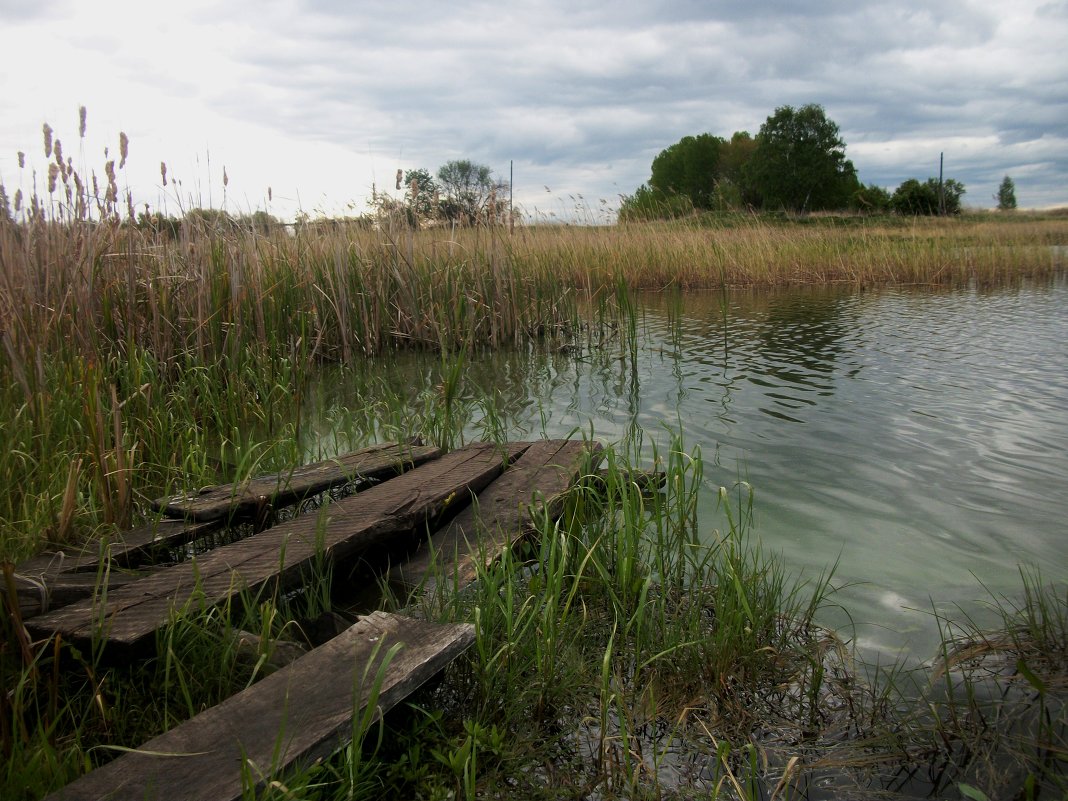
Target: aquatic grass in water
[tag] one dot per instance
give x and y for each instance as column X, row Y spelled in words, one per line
column 624, row 624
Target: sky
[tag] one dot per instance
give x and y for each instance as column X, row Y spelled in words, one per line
column 313, row 105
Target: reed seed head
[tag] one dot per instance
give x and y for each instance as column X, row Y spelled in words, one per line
column 400, row 177
column 18, row 199
column 163, row 172
column 46, row 129
column 112, row 195
column 124, row 148
column 22, row 160
column 226, row 178
column 81, row 121
column 270, row 195
column 53, row 173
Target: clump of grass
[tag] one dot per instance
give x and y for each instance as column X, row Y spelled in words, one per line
column 988, row 719
column 630, row 638
column 998, row 700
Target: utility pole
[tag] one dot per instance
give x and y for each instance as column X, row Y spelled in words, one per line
column 941, row 190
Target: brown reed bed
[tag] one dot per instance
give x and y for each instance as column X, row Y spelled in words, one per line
column 755, row 251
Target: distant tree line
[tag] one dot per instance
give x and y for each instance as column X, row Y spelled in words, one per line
column 795, row 163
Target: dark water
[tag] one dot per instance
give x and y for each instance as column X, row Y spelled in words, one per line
column 917, row 438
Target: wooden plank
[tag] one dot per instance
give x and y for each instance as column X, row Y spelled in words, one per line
column 36, row 596
column 130, row 547
column 54, row 579
column 138, row 546
column 281, row 554
column 250, row 498
column 498, row 521
column 299, row 714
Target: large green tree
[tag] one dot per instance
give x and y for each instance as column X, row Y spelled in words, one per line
column 913, row 198
column 421, row 192
column 469, row 191
column 799, row 162
column 690, row 167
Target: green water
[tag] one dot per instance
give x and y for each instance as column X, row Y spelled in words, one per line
column 917, row 438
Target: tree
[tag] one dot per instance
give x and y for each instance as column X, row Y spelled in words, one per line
column 690, row 167
column 731, row 188
column 871, row 199
column 421, row 192
column 799, row 162
column 651, row 204
column 915, row 198
column 1006, row 196
column 470, row 194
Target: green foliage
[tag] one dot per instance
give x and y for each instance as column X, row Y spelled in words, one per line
column 648, row 203
column 469, row 192
column 1006, row 196
column 210, row 219
column 261, row 222
column 871, row 199
column 799, row 163
column 915, row 199
column 735, row 154
column 703, row 172
column 689, row 167
column 422, row 192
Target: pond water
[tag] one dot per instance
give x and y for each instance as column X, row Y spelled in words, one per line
column 917, row 438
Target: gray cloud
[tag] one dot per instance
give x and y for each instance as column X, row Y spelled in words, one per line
column 584, row 97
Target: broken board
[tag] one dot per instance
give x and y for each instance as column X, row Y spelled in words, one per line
column 251, row 498
column 302, row 713
column 498, row 520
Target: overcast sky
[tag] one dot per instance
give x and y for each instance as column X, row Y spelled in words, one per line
column 323, row 99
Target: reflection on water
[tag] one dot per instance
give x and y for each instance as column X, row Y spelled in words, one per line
column 918, row 438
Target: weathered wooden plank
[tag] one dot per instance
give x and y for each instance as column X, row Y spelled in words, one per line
column 250, row 498
column 37, row 595
column 281, row 554
column 131, row 547
column 138, row 546
column 58, row 578
column 498, row 520
column 299, row 714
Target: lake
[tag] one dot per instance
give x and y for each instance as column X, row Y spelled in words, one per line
column 916, row 437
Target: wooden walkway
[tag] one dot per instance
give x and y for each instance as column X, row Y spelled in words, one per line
column 284, row 554
column 251, row 498
column 448, row 514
